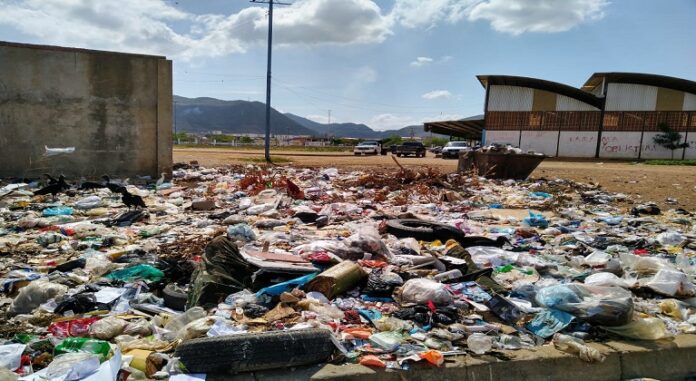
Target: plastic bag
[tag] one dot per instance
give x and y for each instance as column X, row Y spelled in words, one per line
column 241, row 232
column 642, row 329
column 671, row 283
column 479, row 343
column 609, row 306
column 141, row 271
column 422, row 290
column 108, row 328
column 382, row 284
column 35, row 294
column 72, row 366
column 88, row 202
column 389, row 341
column 605, row 280
column 369, row 241
column 11, row 356
column 577, row 347
column 196, row 328
column 181, row 320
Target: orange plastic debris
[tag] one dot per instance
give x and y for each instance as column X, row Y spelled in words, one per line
column 358, row 332
column 433, row 357
column 372, row 360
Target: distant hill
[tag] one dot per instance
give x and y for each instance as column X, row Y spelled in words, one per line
column 231, row 117
column 242, row 117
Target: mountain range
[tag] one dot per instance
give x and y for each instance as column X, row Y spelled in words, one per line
column 203, row 115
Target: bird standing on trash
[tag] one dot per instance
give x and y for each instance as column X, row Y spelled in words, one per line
column 115, row 188
column 132, row 200
column 160, row 181
column 54, row 188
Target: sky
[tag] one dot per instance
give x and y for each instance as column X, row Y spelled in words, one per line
column 385, row 63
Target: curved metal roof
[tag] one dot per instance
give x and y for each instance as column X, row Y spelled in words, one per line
column 535, row 83
column 641, row 79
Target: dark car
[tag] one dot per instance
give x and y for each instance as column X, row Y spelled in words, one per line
column 416, row 149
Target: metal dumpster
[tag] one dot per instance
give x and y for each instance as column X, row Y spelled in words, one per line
column 500, row 165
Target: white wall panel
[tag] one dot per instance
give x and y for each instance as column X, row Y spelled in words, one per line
column 540, row 141
column 620, row 145
column 510, row 98
column 653, row 151
column 578, row 143
column 691, row 150
column 630, row 97
column 503, row 137
column 564, row 103
column 689, row 102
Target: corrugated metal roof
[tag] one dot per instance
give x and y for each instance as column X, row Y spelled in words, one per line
column 541, row 84
column 640, row 79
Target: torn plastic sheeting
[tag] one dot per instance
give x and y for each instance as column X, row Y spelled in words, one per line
column 58, row 151
column 280, row 288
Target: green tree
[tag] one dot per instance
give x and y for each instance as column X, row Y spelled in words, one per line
column 393, row 140
column 246, row 140
column 669, row 138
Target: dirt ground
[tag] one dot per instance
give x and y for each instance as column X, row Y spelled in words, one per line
column 639, row 181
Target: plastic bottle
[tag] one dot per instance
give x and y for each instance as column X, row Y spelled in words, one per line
column 448, row 276
column 82, row 344
column 479, row 343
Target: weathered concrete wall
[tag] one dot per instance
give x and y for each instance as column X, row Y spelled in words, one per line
column 114, row 108
column 540, row 141
column 577, row 144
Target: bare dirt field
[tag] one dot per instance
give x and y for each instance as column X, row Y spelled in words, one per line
column 641, row 182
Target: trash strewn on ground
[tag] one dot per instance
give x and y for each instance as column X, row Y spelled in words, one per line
column 250, row 268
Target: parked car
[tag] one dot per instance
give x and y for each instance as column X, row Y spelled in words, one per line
column 368, row 148
column 416, row 149
column 437, row 150
column 451, row 150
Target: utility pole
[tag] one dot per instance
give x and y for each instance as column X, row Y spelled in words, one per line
column 267, row 141
column 329, row 117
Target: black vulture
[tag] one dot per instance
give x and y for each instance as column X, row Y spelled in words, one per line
column 132, row 200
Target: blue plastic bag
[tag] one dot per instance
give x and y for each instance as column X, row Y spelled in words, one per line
column 280, row 288
column 536, row 220
column 548, row 322
column 58, row 211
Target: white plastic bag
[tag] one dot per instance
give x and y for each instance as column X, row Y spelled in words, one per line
column 421, row 290
column 11, row 356
column 35, row 294
column 107, row 328
column 605, row 280
column 72, row 366
column 671, row 283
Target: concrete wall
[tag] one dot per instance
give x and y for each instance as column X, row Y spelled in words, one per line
column 577, row 143
column 115, row 109
column 540, row 141
column 503, row 137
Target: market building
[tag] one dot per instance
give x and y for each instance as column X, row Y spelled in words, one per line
column 613, row 115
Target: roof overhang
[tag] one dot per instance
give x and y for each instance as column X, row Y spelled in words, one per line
column 468, row 128
column 641, row 79
column 535, row 83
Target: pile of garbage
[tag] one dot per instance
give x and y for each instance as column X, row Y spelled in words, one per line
column 247, row 268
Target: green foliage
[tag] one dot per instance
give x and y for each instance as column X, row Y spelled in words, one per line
column 669, row 138
column 435, row 141
column 671, row 162
column 180, row 136
column 221, row 138
column 246, row 140
column 393, row 140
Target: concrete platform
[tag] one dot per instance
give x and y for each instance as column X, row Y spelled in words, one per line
column 625, row 360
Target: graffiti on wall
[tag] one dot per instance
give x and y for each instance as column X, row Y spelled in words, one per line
column 618, row 145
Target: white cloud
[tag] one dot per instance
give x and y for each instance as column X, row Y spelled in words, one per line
column 421, row 61
column 508, row 16
column 365, row 75
column 146, row 26
column 520, row 16
column 436, row 94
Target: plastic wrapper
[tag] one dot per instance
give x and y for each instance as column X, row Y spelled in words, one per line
column 388, row 341
column 196, row 328
column 11, row 355
column 577, row 347
column 369, row 241
column 608, row 306
column 72, row 366
column 422, row 290
column 672, row 283
column 241, row 232
column 35, row 294
column 479, row 343
column 337, row 279
column 642, row 329
column 605, row 279
column 89, row 202
column 382, row 284
column 72, row 328
column 107, row 328
column 180, row 321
